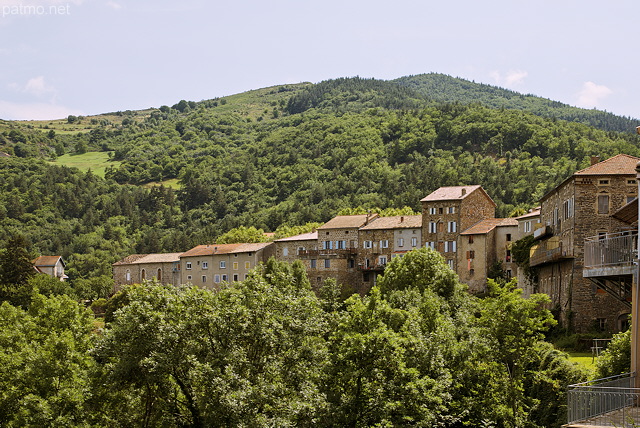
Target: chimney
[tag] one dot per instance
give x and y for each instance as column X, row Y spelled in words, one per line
column 464, row 191
column 595, row 160
column 401, row 219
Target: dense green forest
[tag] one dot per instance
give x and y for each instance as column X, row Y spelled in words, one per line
column 275, row 157
column 417, row 351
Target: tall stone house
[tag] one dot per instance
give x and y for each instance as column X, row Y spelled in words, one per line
column 210, row 266
column 448, row 211
column 133, row 269
column 580, row 208
column 484, row 245
column 383, row 239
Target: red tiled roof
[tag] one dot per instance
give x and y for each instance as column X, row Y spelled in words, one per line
column 454, row 193
column 302, row 237
column 136, row 259
column 46, row 260
column 620, row 164
column 348, row 221
column 211, row 249
column 395, row 222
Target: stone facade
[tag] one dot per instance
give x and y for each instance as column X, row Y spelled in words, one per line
column 165, row 268
column 448, row 211
column 579, row 208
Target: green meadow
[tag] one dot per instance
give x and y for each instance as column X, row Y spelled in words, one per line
column 97, row 162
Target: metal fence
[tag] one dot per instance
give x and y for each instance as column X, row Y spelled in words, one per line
column 613, row 249
column 610, row 401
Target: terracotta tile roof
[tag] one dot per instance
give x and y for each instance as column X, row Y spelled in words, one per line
column 149, row 258
column 395, row 222
column 619, row 164
column 302, row 237
column 628, row 213
column 534, row 213
column 211, row 249
column 485, row 226
column 47, row 261
column 453, row 193
column 348, row 221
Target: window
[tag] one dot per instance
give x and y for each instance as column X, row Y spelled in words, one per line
column 143, row 275
column 327, row 263
column 508, row 257
column 414, row 242
column 327, row 245
column 471, row 254
column 224, row 277
column 188, row 265
column 285, row 251
column 365, row 276
column 246, row 276
column 449, row 246
column 205, row 265
column 384, row 243
column 400, row 242
column 430, row 244
column 527, row 226
column 508, row 237
column 216, row 279
column 247, row 265
column 351, row 263
column 312, row 263
column 601, row 323
column 451, row 227
column 341, row 245
column 440, row 210
column 223, row 264
column 631, row 182
column 509, row 273
column 189, row 277
column 366, row 244
column 300, row 250
column 470, row 239
column 235, row 265
column 382, row 260
column 432, row 211
column 630, row 198
column 235, row 277
column 450, row 263
column 127, row 275
column 204, row 278
column 603, row 204
column 159, row 275
column 432, row 227
column 451, row 210
column 603, row 182
column 366, row 263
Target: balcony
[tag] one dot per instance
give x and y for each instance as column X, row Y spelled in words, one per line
column 329, row 253
column 373, row 267
column 609, row 402
column 612, row 254
column 548, row 251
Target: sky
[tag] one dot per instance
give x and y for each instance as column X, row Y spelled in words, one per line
column 85, row 57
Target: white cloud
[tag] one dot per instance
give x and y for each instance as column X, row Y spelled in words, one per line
column 35, row 86
column 591, row 94
column 511, row 79
column 113, row 5
column 34, row 111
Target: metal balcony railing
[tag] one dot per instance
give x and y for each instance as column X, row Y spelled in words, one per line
column 612, row 249
column 608, row 402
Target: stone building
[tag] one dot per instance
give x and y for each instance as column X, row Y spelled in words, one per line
column 578, row 209
column 483, row 245
column 209, row 266
column 133, row 269
column 450, row 210
column 337, row 250
column 383, row 239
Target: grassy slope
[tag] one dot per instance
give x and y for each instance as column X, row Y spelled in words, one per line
column 96, row 161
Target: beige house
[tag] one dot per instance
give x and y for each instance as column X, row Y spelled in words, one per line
column 448, row 211
column 133, row 269
column 210, row 266
column 578, row 209
column 383, row 239
column 51, row 265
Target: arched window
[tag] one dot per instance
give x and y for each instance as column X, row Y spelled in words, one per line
column 159, row 276
column 143, row 275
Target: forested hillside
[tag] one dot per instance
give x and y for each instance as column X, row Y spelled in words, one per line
column 447, row 89
column 286, row 155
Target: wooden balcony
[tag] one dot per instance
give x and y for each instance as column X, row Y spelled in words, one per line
column 547, row 251
column 329, row 253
